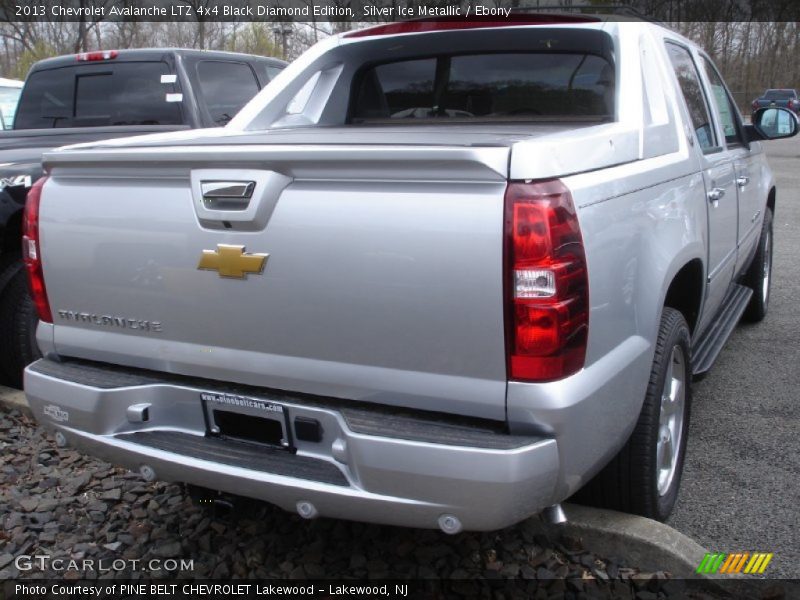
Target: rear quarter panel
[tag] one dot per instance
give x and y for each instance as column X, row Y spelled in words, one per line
column 642, row 221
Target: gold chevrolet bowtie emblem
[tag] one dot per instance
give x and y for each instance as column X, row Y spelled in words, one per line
column 232, row 261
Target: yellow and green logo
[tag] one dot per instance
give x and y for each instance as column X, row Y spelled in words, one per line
column 742, row 562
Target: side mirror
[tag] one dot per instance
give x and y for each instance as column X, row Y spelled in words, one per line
column 773, row 124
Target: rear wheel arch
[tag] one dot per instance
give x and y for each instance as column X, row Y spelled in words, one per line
column 685, row 292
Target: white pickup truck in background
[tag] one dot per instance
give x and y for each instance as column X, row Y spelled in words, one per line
column 434, row 275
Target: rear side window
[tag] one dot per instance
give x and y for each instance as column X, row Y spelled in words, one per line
column 504, row 86
column 225, row 87
column 725, row 107
column 689, row 82
column 99, row 95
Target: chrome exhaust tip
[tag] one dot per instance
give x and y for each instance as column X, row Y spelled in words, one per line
column 554, row 515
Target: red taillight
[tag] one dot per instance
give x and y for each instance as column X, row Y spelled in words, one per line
column 547, row 283
column 31, row 251
column 755, row 104
column 92, row 56
column 457, row 22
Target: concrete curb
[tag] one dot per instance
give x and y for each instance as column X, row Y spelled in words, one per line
column 626, row 539
column 14, row 399
column 647, row 544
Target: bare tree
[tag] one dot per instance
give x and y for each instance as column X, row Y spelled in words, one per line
column 201, row 11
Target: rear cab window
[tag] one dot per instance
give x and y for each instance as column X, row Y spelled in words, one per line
column 225, row 87
column 97, row 95
column 522, row 74
column 491, row 86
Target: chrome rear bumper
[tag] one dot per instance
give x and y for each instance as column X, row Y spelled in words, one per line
column 368, row 466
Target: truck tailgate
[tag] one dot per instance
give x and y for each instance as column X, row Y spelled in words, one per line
column 383, row 280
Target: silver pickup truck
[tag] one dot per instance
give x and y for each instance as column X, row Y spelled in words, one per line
column 436, row 274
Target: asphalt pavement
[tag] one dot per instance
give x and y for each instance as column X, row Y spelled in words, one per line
column 741, row 482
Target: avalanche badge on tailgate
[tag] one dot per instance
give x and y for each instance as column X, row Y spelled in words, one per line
column 232, row 261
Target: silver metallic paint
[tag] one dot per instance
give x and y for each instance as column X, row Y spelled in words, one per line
column 341, row 308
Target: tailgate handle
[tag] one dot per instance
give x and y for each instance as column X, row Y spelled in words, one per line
column 227, row 195
column 236, row 198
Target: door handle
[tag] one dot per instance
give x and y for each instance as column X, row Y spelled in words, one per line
column 716, row 194
column 742, row 180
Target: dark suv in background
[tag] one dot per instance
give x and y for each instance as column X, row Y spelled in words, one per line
column 778, row 97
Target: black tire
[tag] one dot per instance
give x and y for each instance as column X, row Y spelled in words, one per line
column 18, row 321
column 630, row 482
column 759, row 274
column 10, row 263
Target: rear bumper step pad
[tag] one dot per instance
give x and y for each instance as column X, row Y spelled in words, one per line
column 240, row 454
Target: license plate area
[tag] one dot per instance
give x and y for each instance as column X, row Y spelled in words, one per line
column 247, row 419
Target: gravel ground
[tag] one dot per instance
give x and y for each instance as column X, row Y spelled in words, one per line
column 60, row 503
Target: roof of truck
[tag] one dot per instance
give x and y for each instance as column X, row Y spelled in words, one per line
column 153, row 53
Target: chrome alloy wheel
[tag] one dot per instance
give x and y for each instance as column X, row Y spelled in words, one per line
column 766, row 267
column 670, row 419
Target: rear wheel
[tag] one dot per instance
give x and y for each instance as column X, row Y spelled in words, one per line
column 645, row 476
column 18, row 321
column 9, row 264
column 759, row 275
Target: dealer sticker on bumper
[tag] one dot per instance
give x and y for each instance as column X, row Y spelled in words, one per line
column 241, row 402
